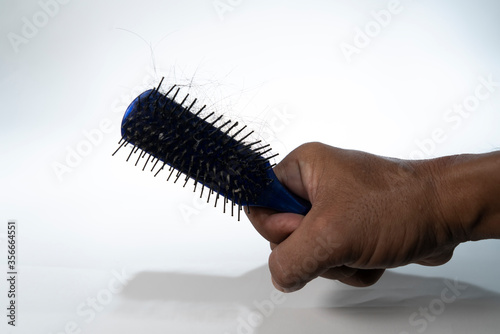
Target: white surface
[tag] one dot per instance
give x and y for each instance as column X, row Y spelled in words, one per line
column 278, row 67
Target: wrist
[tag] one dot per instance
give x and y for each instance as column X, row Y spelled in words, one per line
column 467, row 193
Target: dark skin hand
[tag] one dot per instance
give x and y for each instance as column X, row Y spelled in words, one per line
column 370, row 213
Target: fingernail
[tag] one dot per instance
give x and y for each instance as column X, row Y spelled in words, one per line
column 277, row 286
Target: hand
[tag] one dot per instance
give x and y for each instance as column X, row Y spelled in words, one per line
column 368, row 213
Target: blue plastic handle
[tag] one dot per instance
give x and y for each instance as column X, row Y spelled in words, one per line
column 277, row 197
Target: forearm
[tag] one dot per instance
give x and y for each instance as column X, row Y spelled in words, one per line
column 468, row 194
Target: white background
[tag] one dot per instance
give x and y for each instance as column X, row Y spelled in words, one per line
column 68, row 72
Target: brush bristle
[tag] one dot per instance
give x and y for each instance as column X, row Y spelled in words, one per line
column 213, row 152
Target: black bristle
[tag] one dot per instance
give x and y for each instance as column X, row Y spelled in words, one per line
column 188, row 109
column 170, row 90
column 147, row 160
column 177, row 176
column 246, row 136
column 159, row 85
column 231, row 128
column 171, row 172
column 254, row 143
column 218, row 129
column 201, row 120
column 210, row 125
column 188, row 174
column 209, row 193
column 179, row 106
column 271, row 157
column 248, row 146
column 159, row 170
column 239, row 210
column 238, row 132
column 270, row 166
column 196, row 179
column 202, row 188
column 262, row 153
column 122, row 144
column 262, row 147
column 216, row 198
column 131, row 151
column 197, row 145
column 199, row 111
column 139, row 157
column 175, row 95
column 155, row 164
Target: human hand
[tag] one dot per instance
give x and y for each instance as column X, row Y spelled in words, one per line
column 368, row 213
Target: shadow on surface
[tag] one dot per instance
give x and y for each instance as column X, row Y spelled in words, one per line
column 187, row 303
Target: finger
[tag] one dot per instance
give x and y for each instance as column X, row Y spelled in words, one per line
column 437, row 260
column 274, row 227
column 354, row 277
column 363, row 277
column 280, row 288
column 304, row 255
column 289, row 173
column 338, row 273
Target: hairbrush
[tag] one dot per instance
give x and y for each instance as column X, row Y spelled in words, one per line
column 186, row 143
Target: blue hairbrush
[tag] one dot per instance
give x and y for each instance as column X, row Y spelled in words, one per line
column 171, row 137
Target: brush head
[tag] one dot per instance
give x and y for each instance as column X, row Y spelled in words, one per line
column 207, row 149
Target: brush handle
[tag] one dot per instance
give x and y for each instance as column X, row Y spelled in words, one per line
column 277, row 197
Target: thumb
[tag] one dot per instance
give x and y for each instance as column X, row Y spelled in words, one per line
column 306, row 254
column 290, row 174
